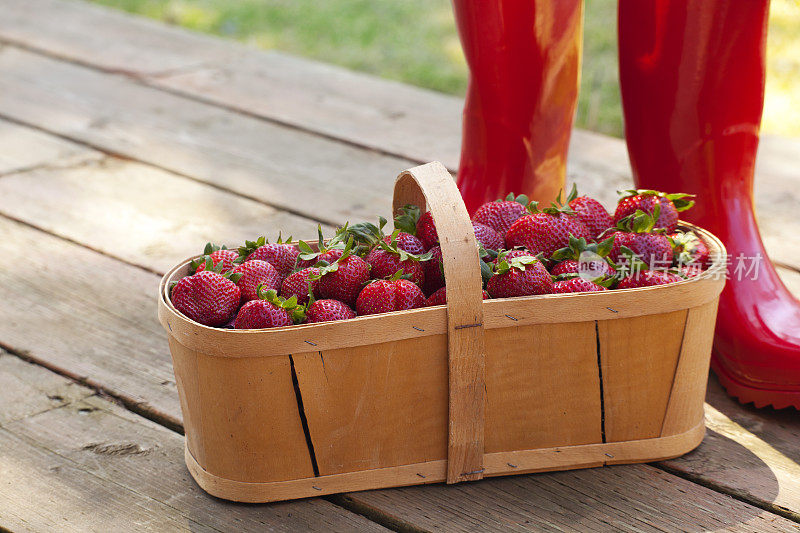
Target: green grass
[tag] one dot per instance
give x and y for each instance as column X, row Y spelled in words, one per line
column 415, row 41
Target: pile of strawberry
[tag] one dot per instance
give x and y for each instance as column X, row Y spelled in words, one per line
column 574, row 246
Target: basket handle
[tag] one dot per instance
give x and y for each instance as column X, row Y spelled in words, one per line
column 432, row 185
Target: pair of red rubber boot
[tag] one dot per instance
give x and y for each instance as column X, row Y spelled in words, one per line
column 692, row 80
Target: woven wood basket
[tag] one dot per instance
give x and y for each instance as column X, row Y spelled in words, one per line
column 474, row 389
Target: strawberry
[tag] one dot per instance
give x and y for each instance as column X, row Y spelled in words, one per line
column 282, row 255
column 343, row 279
column 689, row 271
column 576, row 285
column 298, row 284
column 487, row 237
column 218, row 255
column 254, row 273
column 635, row 234
column 648, row 278
column 407, row 243
column 688, row 249
column 519, row 276
column 434, row 271
column 439, row 297
column 587, row 259
column 328, row 311
column 501, row 214
column 591, row 212
column 426, row 230
column 646, row 200
column 384, row 264
column 269, row 311
column 328, row 251
column 384, row 296
column 207, row 297
column 547, row 230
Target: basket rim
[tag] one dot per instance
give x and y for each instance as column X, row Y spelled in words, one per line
column 498, row 312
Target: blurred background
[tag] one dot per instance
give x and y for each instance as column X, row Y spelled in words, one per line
column 415, row 41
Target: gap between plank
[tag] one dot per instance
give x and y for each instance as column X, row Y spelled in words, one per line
column 374, row 514
column 148, row 80
column 600, row 374
column 303, row 420
column 124, row 157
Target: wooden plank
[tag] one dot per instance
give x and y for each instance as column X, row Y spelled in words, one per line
column 100, row 316
column 644, row 349
column 107, row 38
column 752, row 453
column 25, row 148
column 622, row 498
column 254, row 158
column 138, row 213
column 87, row 464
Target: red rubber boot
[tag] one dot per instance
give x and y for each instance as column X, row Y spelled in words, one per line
column 524, row 60
column 692, row 77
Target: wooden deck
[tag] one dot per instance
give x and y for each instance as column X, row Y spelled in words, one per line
column 127, row 144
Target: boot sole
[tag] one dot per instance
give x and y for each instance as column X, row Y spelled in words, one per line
column 778, row 399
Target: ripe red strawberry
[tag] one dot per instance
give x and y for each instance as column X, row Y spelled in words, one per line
column 426, row 230
column 648, row 278
column 298, row 284
column 587, row 259
column 591, row 212
column 384, row 296
column 511, row 254
column 546, row 231
column 207, row 297
column 434, row 271
column 407, row 243
column 646, row 200
column 439, row 297
column 387, row 258
column 343, row 279
column 487, row 237
column 254, row 273
column 269, row 311
column 689, row 249
column 519, row 276
column 576, row 285
column 218, row 255
column 501, row 214
column 690, row 271
column 328, row 251
column 652, row 248
column 281, row 255
column 590, row 268
column 328, row 311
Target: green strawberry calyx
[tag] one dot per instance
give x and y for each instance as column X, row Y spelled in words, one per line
column 326, row 268
column 337, row 242
column 520, row 263
column 520, row 199
column 603, row 281
column 640, row 222
column 209, row 267
column 366, row 235
column 392, row 248
column 684, row 246
column 556, row 207
column 407, row 218
column 577, row 246
column 251, row 246
column 681, row 200
column 208, row 250
column 296, row 310
column 628, row 263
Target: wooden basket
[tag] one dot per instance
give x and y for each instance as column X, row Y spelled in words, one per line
column 474, row 389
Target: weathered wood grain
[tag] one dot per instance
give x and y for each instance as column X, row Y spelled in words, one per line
column 750, row 452
column 26, row 148
column 87, row 315
column 107, row 38
column 143, row 215
column 296, row 171
column 621, row 498
column 88, row 465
